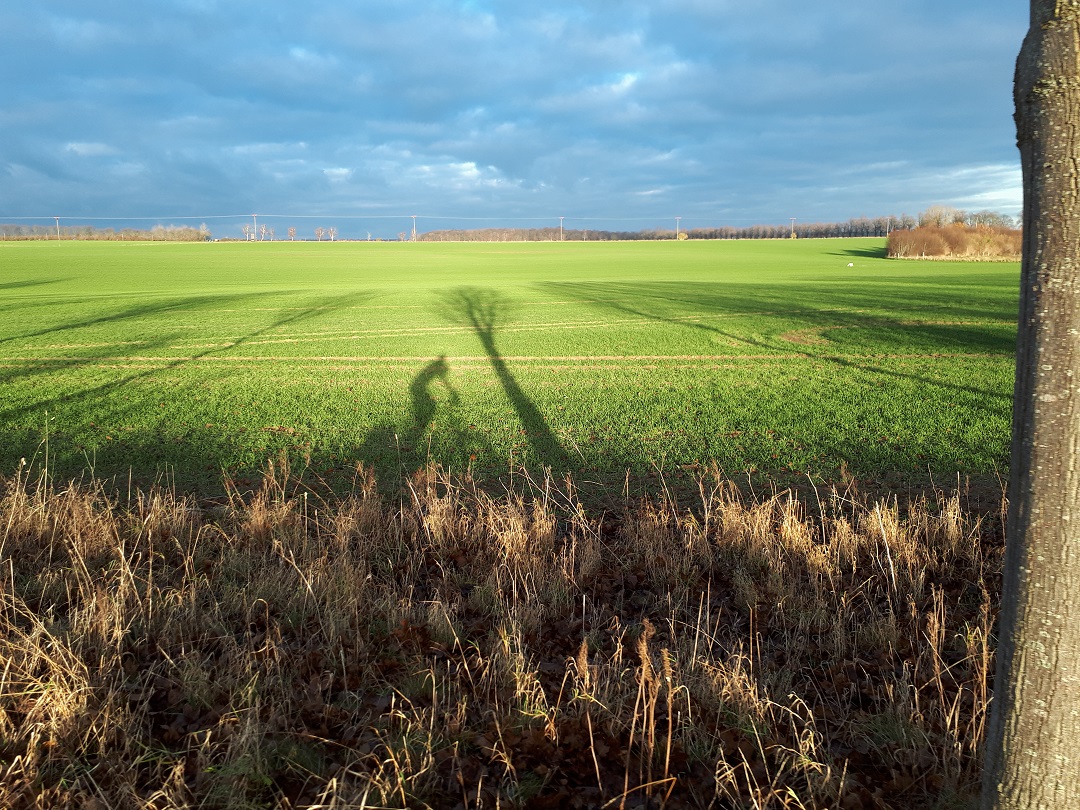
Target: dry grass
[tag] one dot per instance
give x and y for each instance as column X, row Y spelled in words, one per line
column 456, row 649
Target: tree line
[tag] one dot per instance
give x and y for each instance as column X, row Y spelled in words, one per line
column 158, row 233
column 937, row 216
column 858, row 226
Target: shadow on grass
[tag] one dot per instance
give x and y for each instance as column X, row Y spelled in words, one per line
column 430, row 424
column 481, row 310
column 863, row 252
column 143, row 453
column 97, row 354
column 29, row 282
column 857, row 312
column 424, row 404
column 811, row 309
column 165, row 305
column 436, row 430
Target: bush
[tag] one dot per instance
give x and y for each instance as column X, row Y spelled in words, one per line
column 955, row 241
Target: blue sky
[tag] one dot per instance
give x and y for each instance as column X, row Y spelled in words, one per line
column 613, row 114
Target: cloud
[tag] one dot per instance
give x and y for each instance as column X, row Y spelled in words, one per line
column 90, row 149
column 490, row 108
column 338, row 175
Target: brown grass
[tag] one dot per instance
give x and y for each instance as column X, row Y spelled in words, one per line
column 454, row 649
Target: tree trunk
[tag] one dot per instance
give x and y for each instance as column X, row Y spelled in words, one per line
column 1033, row 742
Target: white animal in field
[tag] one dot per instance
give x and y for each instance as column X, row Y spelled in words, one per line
column 851, row 264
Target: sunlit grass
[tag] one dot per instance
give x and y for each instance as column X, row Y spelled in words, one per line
column 448, row 648
column 770, row 358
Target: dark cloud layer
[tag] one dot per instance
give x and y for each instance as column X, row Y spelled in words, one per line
column 715, row 110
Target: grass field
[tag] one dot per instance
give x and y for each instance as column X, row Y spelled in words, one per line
column 774, row 358
column 473, row 642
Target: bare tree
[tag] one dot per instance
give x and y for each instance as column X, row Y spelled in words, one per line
column 938, row 216
column 249, row 232
column 332, row 233
column 1033, row 741
column 292, row 233
column 262, row 232
column 319, row 233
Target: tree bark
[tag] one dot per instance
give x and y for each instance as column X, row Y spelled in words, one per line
column 1033, row 742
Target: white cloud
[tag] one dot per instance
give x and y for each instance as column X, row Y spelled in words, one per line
column 311, row 59
column 267, row 149
column 909, row 188
column 339, row 175
column 996, row 187
column 462, row 176
column 90, row 149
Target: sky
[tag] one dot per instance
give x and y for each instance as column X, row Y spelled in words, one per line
column 473, row 113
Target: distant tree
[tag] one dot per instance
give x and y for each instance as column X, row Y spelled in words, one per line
column 332, row 233
column 1033, row 738
column 262, row 232
column 989, row 219
column 938, row 216
column 292, row 233
column 319, row 233
column 249, row 232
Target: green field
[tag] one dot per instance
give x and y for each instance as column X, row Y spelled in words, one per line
column 765, row 357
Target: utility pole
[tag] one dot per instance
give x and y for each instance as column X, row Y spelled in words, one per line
column 57, row 228
column 793, row 227
column 414, row 227
column 677, row 228
column 255, row 219
column 560, row 228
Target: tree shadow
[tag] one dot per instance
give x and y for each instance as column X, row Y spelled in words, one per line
column 46, row 365
column 165, row 305
column 668, row 303
column 705, row 307
column 144, row 454
column 481, row 310
column 863, row 252
column 29, row 282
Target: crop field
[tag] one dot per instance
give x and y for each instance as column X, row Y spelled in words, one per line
column 616, row 362
column 496, row 639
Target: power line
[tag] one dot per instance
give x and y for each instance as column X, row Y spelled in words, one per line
column 368, row 216
column 715, row 218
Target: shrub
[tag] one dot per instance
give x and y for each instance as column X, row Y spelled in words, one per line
column 955, row 241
